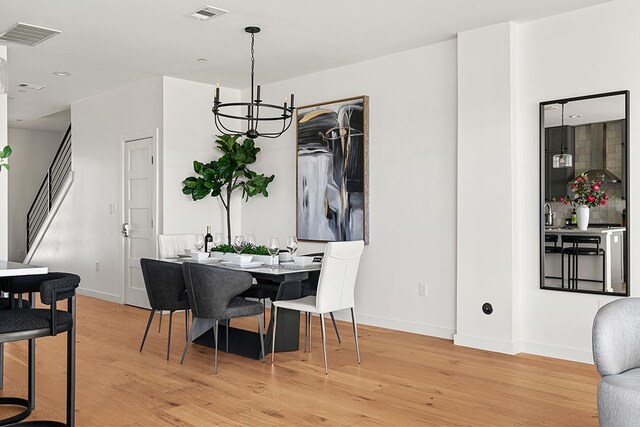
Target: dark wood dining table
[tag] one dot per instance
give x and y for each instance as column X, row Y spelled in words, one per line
column 289, row 279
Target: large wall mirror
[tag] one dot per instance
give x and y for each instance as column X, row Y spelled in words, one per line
column 584, row 163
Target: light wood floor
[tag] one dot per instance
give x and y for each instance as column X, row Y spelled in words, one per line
column 404, row 379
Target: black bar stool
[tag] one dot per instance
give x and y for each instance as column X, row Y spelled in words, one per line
column 574, row 253
column 553, row 249
column 19, row 324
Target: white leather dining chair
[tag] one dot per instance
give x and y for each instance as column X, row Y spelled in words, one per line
column 170, row 245
column 335, row 291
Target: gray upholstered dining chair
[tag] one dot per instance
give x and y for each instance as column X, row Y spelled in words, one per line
column 616, row 354
column 213, row 296
column 166, row 291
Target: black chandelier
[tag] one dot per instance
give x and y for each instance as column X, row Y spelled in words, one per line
column 252, row 118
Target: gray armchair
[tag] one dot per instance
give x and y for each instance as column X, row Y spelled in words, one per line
column 213, row 296
column 616, row 353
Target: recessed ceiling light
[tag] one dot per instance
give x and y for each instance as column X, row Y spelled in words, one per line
column 206, row 12
column 10, row 98
column 202, row 60
column 575, row 116
column 61, row 73
column 30, row 86
column 551, row 107
column 18, row 120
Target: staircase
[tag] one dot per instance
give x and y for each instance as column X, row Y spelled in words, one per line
column 54, row 187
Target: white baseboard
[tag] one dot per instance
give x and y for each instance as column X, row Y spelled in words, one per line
column 486, row 344
column 558, row 352
column 101, row 295
column 399, row 325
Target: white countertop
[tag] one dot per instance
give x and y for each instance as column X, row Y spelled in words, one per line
column 11, row 269
column 590, row 230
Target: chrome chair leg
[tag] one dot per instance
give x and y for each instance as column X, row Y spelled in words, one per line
column 324, row 343
column 355, row 333
column 169, row 336
column 306, row 330
column 215, row 341
column 310, row 340
column 160, row 322
column 273, row 335
column 335, row 326
column 146, row 331
column 260, row 331
column 186, row 346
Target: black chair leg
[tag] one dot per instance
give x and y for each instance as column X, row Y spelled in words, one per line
column 186, row 325
column 160, row 322
column 169, row 337
column 335, row 326
column 71, row 370
column 32, row 374
column 146, row 331
column 215, row 342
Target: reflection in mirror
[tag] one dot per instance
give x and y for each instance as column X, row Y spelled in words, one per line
column 584, row 194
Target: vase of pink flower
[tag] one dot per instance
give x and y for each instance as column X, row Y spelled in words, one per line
column 587, row 193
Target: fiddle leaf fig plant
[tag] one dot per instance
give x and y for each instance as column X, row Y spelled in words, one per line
column 221, row 177
column 4, row 155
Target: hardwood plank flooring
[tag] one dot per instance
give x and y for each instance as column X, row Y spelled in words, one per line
column 404, row 379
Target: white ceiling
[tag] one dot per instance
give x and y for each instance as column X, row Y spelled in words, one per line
column 594, row 110
column 107, row 44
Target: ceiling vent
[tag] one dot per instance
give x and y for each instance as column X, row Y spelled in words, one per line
column 207, row 12
column 26, row 34
column 30, row 86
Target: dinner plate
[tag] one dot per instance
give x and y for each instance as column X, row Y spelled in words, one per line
column 183, row 256
column 253, row 264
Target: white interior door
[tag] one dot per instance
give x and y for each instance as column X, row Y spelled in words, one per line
column 138, row 216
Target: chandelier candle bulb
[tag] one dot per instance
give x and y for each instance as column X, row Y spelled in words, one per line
column 258, row 94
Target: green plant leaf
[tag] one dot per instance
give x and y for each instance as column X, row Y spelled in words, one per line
column 6, row 152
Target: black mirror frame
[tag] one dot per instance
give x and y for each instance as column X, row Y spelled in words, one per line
column 542, row 171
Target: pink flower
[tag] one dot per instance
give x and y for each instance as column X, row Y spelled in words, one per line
column 573, row 186
column 591, row 199
column 595, row 187
column 579, row 179
column 604, row 202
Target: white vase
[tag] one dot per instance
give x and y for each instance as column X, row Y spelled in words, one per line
column 582, row 214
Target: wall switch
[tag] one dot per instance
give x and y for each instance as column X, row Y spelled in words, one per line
column 97, row 265
column 111, row 209
column 422, row 289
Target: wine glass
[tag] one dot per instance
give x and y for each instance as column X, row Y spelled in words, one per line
column 292, row 244
column 273, row 248
column 251, row 240
column 218, row 239
column 199, row 242
column 238, row 244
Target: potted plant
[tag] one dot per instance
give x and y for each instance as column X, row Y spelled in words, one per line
column 4, row 155
column 587, row 193
column 221, row 177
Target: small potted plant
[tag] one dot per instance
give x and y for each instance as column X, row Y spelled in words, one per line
column 587, row 193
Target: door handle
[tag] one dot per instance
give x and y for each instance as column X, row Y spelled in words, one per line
column 125, row 229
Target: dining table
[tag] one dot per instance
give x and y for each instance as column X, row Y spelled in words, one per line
column 288, row 277
column 8, row 270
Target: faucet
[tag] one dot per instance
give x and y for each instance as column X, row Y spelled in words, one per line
column 548, row 215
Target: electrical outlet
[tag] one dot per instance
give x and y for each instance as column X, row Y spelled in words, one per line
column 97, row 265
column 422, row 289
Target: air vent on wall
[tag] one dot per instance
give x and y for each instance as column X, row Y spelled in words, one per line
column 31, row 86
column 207, row 12
column 27, row 34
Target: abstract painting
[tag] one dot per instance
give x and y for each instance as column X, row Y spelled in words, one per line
column 332, row 171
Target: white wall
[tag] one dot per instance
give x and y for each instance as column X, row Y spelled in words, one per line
column 33, row 151
column 4, row 182
column 189, row 134
column 412, row 155
column 86, row 229
column 584, row 52
column 487, row 69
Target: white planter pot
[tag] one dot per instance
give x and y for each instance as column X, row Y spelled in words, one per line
column 582, row 214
